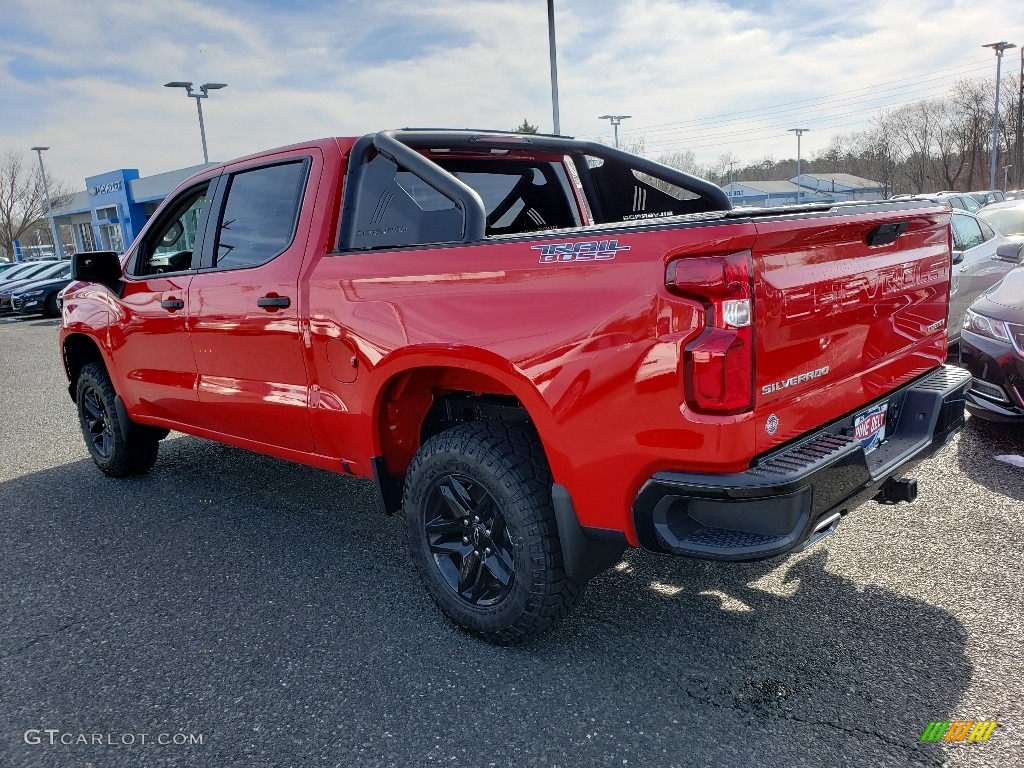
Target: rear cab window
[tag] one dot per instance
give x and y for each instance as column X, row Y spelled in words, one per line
column 404, row 190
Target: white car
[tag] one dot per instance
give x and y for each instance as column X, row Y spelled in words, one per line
column 975, row 266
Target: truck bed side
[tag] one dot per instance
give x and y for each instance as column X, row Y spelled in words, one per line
column 594, row 349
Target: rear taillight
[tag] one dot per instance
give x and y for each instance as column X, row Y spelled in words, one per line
column 718, row 366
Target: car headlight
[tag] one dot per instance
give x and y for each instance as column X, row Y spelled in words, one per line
column 1009, row 333
column 32, row 294
column 986, row 326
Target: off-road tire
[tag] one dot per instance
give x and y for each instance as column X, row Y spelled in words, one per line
column 131, row 449
column 506, row 464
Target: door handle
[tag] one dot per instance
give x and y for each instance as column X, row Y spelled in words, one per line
column 273, row 302
column 172, row 304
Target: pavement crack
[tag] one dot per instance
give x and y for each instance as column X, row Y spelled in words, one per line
column 911, row 750
column 39, row 639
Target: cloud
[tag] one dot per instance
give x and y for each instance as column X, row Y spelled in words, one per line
column 710, row 75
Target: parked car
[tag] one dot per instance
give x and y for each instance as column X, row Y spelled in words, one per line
column 1006, row 218
column 538, row 360
column 975, row 266
column 956, row 199
column 50, row 269
column 988, row 196
column 23, row 269
column 40, row 296
column 992, row 346
column 6, row 265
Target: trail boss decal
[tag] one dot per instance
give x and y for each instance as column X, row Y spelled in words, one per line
column 588, row 250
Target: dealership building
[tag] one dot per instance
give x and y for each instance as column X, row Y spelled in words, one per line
column 114, row 207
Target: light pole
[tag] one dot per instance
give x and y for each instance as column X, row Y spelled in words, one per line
column 205, row 87
column 799, row 132
column 1019, row 161
column 731, row 164
column 1006, row 170
column 615, row 120
column 58, row 246
column 998, row 48
column 554, row 65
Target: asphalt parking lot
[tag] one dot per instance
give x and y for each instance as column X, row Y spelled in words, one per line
column 271, row 610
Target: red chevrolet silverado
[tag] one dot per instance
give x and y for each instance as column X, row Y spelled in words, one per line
column 542, row 351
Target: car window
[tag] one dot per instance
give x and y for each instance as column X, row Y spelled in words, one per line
column 260, row 214
column 987, row 233
column 517, row 196
column 966, row 232
column 51, row 270
column 970, row 203
column 28, row 270
column 170, row 246
column 956, row 202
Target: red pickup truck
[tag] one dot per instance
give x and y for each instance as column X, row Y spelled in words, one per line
column 542, row 351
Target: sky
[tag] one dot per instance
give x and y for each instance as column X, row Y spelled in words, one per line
column 711, row 76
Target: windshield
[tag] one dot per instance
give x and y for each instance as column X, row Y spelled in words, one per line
column 1008, row 221
column 28, row 270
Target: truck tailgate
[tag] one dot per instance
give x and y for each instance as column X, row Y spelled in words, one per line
column 840, row 322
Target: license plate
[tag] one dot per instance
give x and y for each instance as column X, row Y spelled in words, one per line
column 869, row 427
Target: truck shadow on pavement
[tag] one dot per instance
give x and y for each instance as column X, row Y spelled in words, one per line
column 980, row 442
column 273, row 608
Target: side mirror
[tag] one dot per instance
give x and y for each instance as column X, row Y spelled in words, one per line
column 172, row 235
column 1011, row 252
column 103, row 267
column 958, row 256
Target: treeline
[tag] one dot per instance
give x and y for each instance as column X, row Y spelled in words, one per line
column 925, row 146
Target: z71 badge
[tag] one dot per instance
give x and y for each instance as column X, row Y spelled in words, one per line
column 588, row 250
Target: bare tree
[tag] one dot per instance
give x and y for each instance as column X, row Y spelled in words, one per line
column 633, row 144
column 913, row 126
column 950, row 132
column 973, row 100
column 1009, row 110
column 23, row 200
column 683, row 161
column 880, row 152
column 718, row 171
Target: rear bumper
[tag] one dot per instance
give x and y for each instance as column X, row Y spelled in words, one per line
column 792, row 497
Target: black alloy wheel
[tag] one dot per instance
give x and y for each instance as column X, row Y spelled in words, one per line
column 118, row 446
column 467, row 536
column 482, row 531
column 97, row 422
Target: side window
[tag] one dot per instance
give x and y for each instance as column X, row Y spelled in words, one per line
column 260, row 214
column 987, row 233
column 971, row 204
column 966, row 232
column 170, row 245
